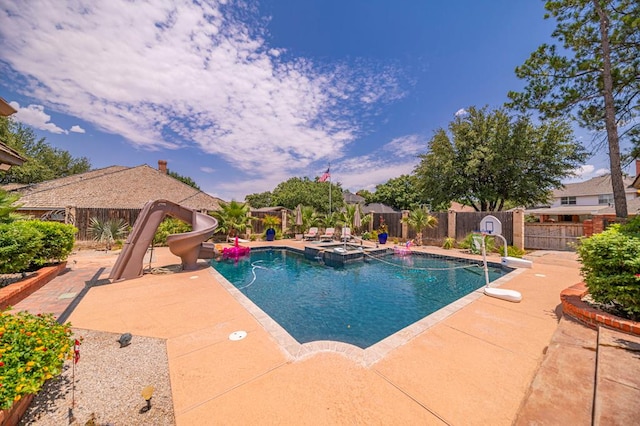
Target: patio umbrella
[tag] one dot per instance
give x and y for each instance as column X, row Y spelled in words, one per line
column 357, row 221
column 299, row 215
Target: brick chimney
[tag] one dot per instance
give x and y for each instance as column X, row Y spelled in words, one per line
column 162, row 166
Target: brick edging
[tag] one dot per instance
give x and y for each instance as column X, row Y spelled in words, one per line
column 572, row 305
column 14, row 293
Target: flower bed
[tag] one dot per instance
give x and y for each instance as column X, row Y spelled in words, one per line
column 32, row 350
column 574, row 306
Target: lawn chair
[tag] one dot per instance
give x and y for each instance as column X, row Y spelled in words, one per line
column 328, row 234
column 346, row 234
column 312, row 235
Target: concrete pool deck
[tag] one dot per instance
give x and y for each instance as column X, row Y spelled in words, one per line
column 479, row 364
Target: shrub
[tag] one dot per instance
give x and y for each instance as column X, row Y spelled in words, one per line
column 20, row 243
column 32, row 350
column 57, row 241
column 167, row 227
column 449, row 243
column 611, row 268
column 468, row 244
column 107, row 231
column 515, row 251
column 366, row 236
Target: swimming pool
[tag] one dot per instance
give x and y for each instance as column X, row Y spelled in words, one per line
column 360, row 303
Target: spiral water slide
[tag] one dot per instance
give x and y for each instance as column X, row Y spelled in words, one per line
column 189, row 246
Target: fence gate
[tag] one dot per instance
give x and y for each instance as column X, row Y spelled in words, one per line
column 551, row 236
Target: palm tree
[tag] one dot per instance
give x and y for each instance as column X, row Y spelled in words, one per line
column 420, row 219
column 310, row 217
column 232, row 218
column 346, row 217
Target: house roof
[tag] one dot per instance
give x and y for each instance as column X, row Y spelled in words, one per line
column 6, row 109
column 9, row 157
column 113, row 187
column 569, row 210
column 377, row 208
column 351, row 198
column 599, row 185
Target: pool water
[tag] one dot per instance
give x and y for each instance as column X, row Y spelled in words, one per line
column 360, row 303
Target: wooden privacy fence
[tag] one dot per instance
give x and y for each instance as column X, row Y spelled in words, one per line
column 467, row 222
column 552, row 236
column 83, row 219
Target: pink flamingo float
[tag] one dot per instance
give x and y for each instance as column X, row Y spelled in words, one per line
column 236, row 251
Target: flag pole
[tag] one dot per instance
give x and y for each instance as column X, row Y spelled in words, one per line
column 329, row 169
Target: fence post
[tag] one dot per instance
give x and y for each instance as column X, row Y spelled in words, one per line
column 249, row 228
column 405, row 226
column 518, row 228
column 283, row 214
column 451, row 224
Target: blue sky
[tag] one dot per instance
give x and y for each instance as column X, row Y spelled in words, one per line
column 241, row 96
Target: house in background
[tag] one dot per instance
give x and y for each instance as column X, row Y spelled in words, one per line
column 110, row 192
column 8, row 156
column 577, row 202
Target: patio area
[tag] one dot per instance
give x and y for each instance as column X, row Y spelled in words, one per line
column 474, row 363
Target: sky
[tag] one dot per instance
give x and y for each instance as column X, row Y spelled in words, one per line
column 243, row 95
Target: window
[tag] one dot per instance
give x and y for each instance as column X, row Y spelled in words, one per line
column 565, row 201
column 605, row 199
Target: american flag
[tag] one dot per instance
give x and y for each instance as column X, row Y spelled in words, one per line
column 326, row 175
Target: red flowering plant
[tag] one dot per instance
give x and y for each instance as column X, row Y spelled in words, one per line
column 32, row 350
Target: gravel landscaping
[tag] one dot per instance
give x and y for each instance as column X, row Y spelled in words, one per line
column 108, row 384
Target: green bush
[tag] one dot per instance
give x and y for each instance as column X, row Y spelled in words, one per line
column 32, row 350
column 449, row 243
column 467, row 244
column 515, row 251
column 169, row 226
column 57, row 241
column 20, row 243
column 611, row 268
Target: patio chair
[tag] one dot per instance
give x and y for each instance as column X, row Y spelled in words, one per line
column 328, row 234
column 312, row 235
column 346, row 234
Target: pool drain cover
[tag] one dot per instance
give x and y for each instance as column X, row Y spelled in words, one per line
column 237, row 335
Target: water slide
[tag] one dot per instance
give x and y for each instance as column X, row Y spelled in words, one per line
column 189, row 246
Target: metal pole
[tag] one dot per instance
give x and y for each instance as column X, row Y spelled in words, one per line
column 329, row 168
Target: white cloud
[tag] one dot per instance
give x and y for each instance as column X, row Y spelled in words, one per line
column 407, row 146
column 179, row 73
column 77, row 129
column 585, row 172
column 461, row 112
column 207, row 169
column 34, row 116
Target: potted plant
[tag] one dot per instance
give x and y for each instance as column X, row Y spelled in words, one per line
column 270, row 222
column 383, row 233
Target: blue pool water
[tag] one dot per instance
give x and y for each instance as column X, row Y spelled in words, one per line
column 360, row 303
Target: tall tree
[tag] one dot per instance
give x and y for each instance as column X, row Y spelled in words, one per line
column 259, row 199
column 400, row 193
column 489, row 158
column 43, row 161
column 184, row 179
column 307, row 192
column 594, row 76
